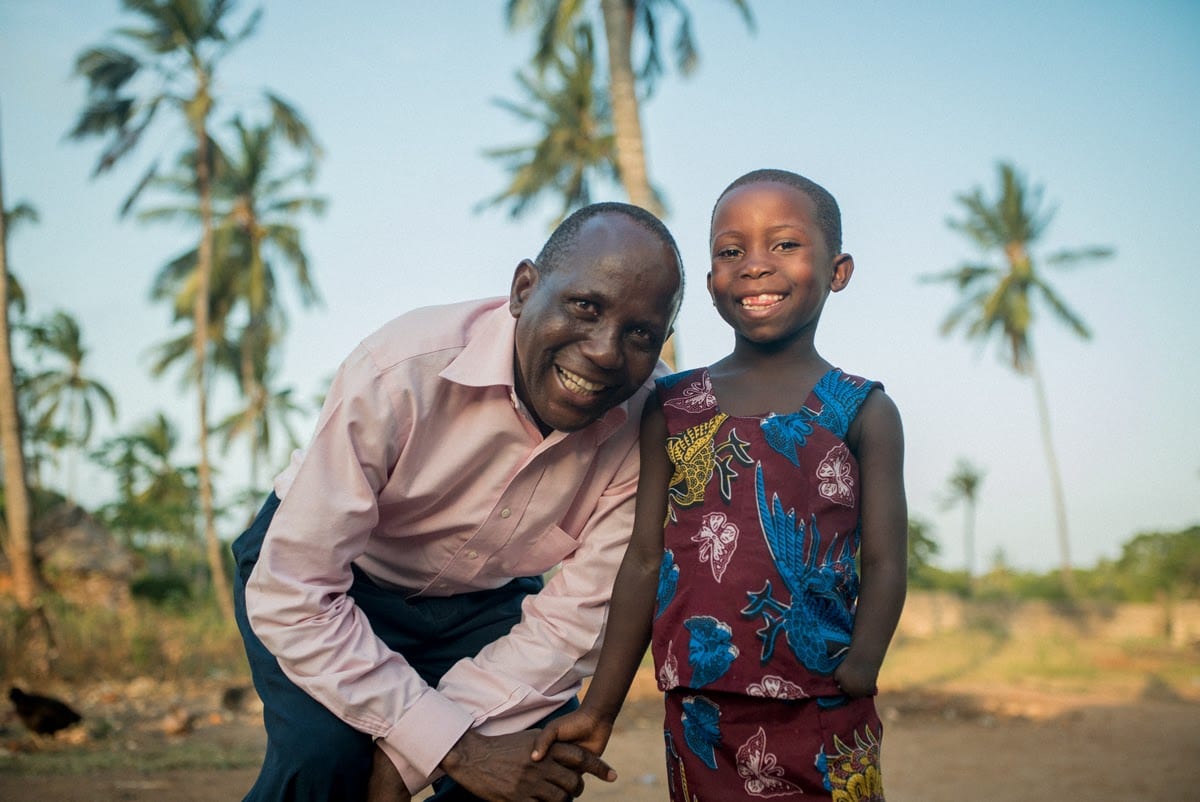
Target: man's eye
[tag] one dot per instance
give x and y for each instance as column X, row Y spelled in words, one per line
column 643, row 338
column 587, row 307
column 642, row 334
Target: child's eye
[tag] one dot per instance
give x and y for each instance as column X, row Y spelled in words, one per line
column 727, row 253
column 788, row 245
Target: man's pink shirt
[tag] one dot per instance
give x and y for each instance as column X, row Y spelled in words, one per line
column 426, row 472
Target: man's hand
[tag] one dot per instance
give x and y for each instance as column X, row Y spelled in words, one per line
column 385, row 784
column 499, row 768
column 582, row 727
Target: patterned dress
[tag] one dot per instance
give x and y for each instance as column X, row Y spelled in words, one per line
column 756, row 598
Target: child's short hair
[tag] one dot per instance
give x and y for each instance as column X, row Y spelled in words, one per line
column 829, row 216
column 562, row 240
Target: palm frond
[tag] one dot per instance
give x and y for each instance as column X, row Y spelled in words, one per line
column 1075, row 257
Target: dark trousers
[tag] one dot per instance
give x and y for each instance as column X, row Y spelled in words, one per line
column 313, row 755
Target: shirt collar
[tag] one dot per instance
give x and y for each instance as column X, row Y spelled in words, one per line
column 487, row 361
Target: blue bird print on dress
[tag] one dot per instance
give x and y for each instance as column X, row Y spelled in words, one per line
column 668, row 581
column 786, row 433
column 818, row 621
column 710, row 649
column 840, row 400
column 701, row 728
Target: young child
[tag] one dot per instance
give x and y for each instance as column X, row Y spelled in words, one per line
column 763, row 477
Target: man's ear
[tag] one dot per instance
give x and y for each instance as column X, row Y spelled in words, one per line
column 708, row 283
column 525, row 278
column 843, row 269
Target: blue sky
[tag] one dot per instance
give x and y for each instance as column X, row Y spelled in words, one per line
column 896, row 108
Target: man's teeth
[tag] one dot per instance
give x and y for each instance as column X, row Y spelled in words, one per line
column 577, row 383
column 766, row 299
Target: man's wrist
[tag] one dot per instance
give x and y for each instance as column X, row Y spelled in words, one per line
column 457, row 756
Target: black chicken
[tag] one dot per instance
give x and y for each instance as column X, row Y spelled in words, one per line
column 42, row 714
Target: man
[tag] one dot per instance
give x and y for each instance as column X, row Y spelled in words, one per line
column 390, row 589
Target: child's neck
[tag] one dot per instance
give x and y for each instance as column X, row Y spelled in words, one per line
column 757, row 380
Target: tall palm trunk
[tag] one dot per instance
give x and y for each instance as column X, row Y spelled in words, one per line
column 215, row 553
column 27, row 584
column 969, row 543
column 1056, row 488
column 622, row 89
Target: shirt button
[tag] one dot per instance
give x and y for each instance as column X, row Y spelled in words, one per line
column 504, row 513
column 472, row 554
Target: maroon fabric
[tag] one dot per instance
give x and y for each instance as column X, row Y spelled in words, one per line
column 775, row 749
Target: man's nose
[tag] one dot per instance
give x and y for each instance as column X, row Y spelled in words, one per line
column 603, row 347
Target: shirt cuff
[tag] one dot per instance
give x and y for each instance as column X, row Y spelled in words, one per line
column 423, row 736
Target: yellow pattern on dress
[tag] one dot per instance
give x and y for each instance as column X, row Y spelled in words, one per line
column 693, row 454
column 853, row 771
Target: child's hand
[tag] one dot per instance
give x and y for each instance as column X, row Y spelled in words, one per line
column 856, row 678
column 582, row 727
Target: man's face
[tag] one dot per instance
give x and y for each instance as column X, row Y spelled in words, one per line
column 589, row 332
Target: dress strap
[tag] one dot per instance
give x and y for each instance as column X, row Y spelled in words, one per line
column 841, row 395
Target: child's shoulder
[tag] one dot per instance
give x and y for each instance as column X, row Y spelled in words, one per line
column 839, row 375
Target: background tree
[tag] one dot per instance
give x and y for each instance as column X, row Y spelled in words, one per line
column 257, row 199
column 922, row 548
column 963, row 488
column 555, row 21
column 265, row 411
column 172, row 59
column 156, row 498
column 63, row 394
column 576, row 142
column 1162, row 564
column 997, row 301
column 27, row 584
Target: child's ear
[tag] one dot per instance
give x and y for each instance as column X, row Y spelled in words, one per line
column 525, row 278
column 843, row 269
column 708, row 283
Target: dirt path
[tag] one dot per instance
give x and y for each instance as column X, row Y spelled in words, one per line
column 997, row 745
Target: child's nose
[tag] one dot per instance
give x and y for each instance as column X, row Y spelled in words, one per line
column 756, row 267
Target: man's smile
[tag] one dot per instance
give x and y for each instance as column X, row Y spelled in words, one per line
column 577, row 384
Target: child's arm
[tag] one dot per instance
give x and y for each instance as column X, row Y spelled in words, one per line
column 878, row 441
column 631, row 613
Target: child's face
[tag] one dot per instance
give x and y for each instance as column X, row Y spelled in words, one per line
column 771, row 268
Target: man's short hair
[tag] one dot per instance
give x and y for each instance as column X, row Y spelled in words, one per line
column 829, row 216
column 566, row 234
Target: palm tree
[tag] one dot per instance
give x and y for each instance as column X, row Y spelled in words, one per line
column 997, row 301
column 175, row 54
column 259, row 205
column 27, row 584
column 555, row 20
column 155, row 497
column 265, row 410
column 63, row 393
column 963, row 488
column 256, row 202
column 576, row 141
column 18, row 215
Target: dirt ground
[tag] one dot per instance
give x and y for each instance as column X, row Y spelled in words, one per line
column 985, row 744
